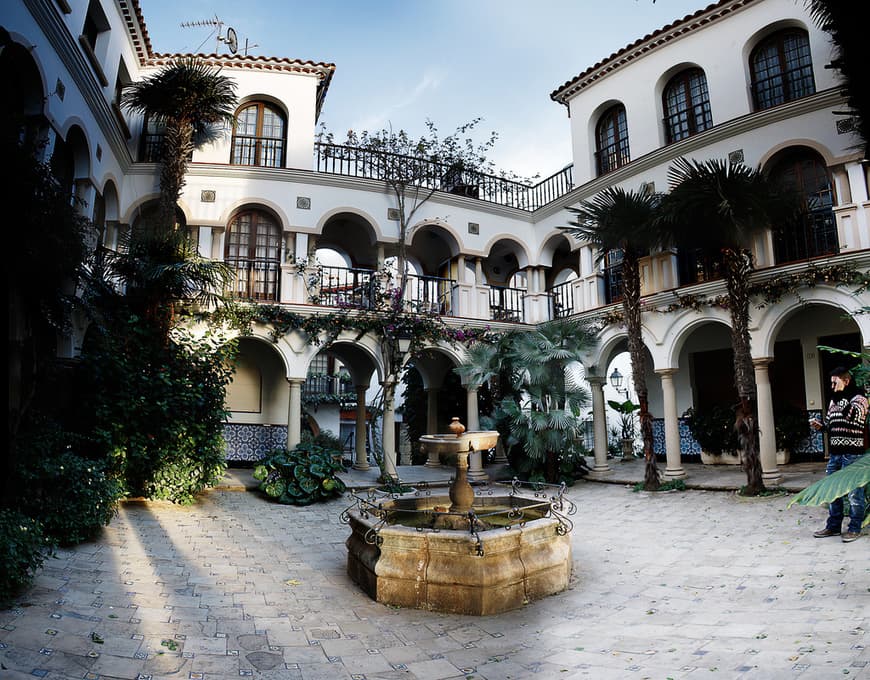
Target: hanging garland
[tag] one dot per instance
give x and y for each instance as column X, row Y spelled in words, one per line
column 773, row 290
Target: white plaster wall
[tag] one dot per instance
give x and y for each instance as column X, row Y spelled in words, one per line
column 720, row 49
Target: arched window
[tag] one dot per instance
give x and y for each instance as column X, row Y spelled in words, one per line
column 151, row 142
column 253, row 250
column 611, row 140
column 814, row 233
column 258, row 137
column 782, row 69
column 686, row 105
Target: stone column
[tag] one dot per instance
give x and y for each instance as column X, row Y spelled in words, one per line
column 770, row 474
column 472, row 414
column 475, row 458
column 388, row 436
column 294, row 413
column 599, row 419
column 361, row 460
column 673, row 466
column 431, row 410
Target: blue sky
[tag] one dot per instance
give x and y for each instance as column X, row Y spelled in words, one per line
column 401, row 62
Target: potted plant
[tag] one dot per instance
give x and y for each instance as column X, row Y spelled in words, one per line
column 713, row 429
column 626, row 410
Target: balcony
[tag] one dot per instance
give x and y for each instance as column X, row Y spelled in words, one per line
column 350, row 161
column 506, row 304
column 328, row 389
column 562, row 300
column 344, row 287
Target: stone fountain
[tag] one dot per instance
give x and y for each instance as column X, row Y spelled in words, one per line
column 461, row 553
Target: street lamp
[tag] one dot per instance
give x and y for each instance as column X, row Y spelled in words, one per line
column 616, row 380
column 626, row 416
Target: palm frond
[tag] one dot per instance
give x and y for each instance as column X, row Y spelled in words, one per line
column 836, row 485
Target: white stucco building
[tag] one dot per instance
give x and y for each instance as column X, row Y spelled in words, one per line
column 741, row 79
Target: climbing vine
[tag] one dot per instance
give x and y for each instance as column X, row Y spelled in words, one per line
column 771, row 291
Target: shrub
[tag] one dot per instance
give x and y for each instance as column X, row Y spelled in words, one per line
column 73, row 497
column 22, row 552
column 157, row 409
column 714, row 429
column 305, row 475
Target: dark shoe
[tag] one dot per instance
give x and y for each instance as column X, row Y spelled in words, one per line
column 850, row 536
column 824, row 533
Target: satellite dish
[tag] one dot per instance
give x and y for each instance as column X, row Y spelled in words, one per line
column 232, row 40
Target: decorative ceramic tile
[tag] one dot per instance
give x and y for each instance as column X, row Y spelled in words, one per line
column 252, row 442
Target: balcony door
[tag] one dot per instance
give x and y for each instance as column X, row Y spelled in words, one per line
column 253, row 250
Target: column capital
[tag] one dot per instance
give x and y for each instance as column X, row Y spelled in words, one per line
column 596, row 380
column 759, row 362
column 295, row 381
column 666, row 371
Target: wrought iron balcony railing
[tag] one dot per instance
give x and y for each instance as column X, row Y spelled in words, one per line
column 562, row 300
column 430, row 174
column 506, row 304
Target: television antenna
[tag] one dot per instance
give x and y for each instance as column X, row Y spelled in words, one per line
column 230, row 38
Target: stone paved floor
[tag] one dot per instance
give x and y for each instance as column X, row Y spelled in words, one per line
column 698, row 584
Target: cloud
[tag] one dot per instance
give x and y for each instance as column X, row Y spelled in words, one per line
column 401, row 101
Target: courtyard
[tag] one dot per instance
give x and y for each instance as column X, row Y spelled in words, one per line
column 693, row 584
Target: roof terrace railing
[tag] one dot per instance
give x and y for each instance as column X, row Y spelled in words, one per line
column 431, row 174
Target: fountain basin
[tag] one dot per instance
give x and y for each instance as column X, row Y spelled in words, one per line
column 478, row 440
column 457, row 571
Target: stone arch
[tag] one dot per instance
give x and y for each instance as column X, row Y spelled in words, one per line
column 350, row 233
column 769, row 158
column 433, row 244
column 682, row 325
column 249, row 203
column 364, row 217
column 23, row 84
column 771, row 319
column 506, row 255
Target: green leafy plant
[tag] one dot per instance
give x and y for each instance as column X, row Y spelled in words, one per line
column 305, row 475
column 156, row 410
column 670, row 485
column 837, row 485
column 791, row 428
column 713, row 429
column 22, row 552
column 72, row 496
column 626, row 410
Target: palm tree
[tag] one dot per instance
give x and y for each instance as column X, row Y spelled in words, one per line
column 619, row 220
column 719, row 207
column 188, row 98
column 849, row 38
column 156, row 269
column 547, row 392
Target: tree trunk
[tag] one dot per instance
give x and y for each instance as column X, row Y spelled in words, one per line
column 738, row 265
column 631, row 309
column 177, row 145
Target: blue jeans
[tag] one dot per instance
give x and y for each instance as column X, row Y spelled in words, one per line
column 857, row 502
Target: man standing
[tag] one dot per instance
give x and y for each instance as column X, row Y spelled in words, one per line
column 845, row 423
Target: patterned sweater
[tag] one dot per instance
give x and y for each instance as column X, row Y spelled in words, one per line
column 845, row 423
